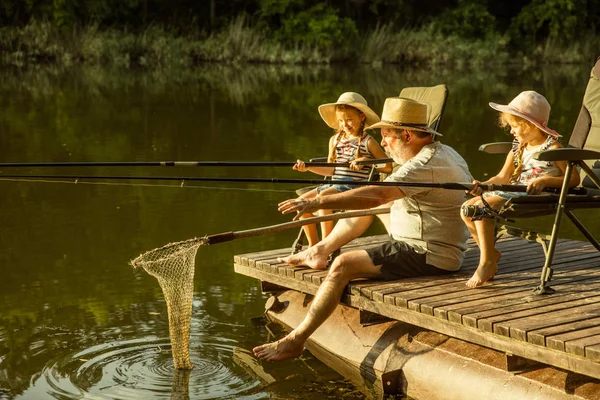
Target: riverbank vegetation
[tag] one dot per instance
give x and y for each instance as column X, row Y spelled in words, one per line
column 161, row 33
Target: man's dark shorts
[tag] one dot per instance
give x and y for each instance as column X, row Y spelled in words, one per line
column 399, row 260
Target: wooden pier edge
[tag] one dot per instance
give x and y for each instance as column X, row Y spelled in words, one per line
column 486, row 339
column 561, row 330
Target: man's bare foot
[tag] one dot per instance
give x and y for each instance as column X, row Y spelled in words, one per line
column 313, row 257
column 280, row 350
column 484, row 273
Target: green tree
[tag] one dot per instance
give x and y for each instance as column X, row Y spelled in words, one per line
column 469, row 19
column 559, row 20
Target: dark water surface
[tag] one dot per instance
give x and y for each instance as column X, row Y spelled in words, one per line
column 76, row 321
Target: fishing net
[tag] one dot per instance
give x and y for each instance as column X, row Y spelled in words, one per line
column 173, row 266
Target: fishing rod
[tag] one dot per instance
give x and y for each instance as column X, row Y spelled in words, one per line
column 446, row 185
column 188, row 164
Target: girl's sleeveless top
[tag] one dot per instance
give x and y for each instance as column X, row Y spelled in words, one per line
column 533, row 168
column 346, row 151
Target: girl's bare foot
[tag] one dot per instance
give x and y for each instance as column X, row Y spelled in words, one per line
column 280, row 350
column 498, row 256
column 484, row 273
column 313, row 257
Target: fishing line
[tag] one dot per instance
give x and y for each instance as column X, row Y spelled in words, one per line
column 183, row 185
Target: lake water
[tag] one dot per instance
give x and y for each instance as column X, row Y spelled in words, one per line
column 76, row 321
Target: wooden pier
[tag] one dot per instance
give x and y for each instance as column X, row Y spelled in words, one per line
column 560, row 330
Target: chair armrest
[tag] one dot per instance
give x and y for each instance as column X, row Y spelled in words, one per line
column 496, row 148
column 567, row 154
column 318, row 159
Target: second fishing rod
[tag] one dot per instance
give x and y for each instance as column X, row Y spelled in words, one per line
column 441, row 185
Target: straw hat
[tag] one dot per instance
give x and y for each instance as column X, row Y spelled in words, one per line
column 401, row 113
column 353, row 99
column 531, row 106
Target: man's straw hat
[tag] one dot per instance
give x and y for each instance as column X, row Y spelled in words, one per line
column 353, row 99
column 401, row 113
column 531, row 106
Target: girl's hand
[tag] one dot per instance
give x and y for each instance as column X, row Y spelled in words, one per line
column 300, row 166
column 536, row 186
column 476, row 191
column 357, row 167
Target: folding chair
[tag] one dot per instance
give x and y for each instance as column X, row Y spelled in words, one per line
column 582, row 150
column 434, row 96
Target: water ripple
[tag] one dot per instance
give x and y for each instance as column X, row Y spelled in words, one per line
column 143, row 368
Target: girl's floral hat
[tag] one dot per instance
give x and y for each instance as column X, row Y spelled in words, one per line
column 353, row 99
column 533, row 107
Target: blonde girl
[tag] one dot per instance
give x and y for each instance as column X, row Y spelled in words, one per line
column 526, row 116
column 349, row 117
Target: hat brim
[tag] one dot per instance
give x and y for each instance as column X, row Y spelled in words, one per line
column 383, row 124
column 510, row 110
column 327, row 112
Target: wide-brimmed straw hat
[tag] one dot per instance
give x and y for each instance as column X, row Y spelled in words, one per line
column 353, row 99
column 532, row 106
column 401, row 113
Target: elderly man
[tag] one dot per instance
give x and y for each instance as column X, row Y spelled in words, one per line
column 427, row 235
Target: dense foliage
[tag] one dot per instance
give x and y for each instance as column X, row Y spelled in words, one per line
column 290, row 30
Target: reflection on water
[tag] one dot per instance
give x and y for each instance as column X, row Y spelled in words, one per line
column 76, row 321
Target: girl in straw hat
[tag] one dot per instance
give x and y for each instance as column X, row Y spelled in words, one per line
column 349, row 117
column 526, row 116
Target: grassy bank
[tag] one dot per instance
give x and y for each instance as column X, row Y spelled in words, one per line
column 159, row 47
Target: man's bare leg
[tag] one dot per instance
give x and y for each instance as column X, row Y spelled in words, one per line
column 348, row 266
column 344, row 231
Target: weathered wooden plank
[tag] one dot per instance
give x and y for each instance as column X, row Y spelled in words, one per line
column 571, row 311
column 486, row 318
column 489, row 298
column 512, row 315
column 579, row 346
column 483, row 306
column 402, row 298
column 250, row 259
column 539, row 336
column 301, row 286
column 593, row 352
column 569, row 335
column 318, row 278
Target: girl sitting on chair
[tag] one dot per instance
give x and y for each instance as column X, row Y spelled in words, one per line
column 526, row 116
column 349, row 117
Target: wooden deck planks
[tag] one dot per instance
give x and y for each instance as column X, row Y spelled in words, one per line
column 566, row 323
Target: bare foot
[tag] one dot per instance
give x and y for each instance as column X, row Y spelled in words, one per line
column 498, row 256
column 280, row 350
column 484, row 273
column 313, row 257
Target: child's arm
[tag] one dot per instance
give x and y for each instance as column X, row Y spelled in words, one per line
column 377, row 151
column 538, row 184
column 502, row 178
column 324, row 171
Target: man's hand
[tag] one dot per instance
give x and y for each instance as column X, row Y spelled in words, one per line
column 299, row 205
